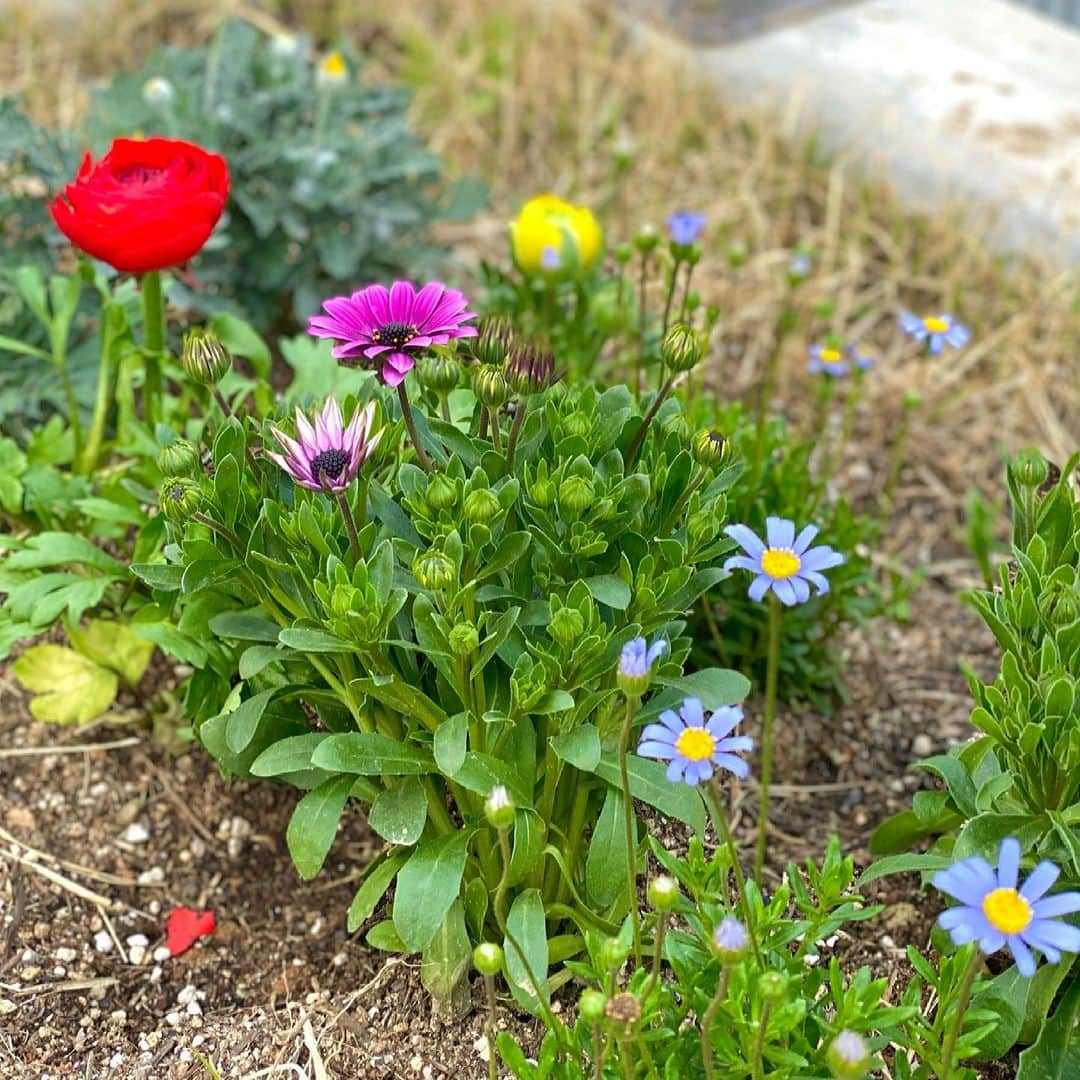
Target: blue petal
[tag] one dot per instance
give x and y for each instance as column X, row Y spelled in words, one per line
column 733, row 764
column 1025, row 962
column 1057, row 935
column 818, row 580
column 654, row 748
column 785, row 593
column 957, row 336
column 736, row 743
column 743, row 562
column 1061, row 904
column 1039, row 880
column 672, row 721
column 724, row 720
column 937, row 343
column 702, row 770
column 821, row 558
column 968, row 881
column 675, row 770
column 759, row 586
column 1008, row 862
column 802, row 589
column 912, row 324
column 804, row 539
column 991, row 940
column 692, row 712
column 658, row 648
column 780, row 532
column 746, row 538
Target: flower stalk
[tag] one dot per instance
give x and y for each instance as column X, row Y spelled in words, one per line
column 153, row 299
column 410, row 423
column 628, row 819
column 772, row 670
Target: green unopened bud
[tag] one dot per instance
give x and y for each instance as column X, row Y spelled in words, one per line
column 180, row 458
column 487, row 958
column 204, row 359
column 576, row 495
column 490, row 386
column 493, row 342
column 681, row 348
column 566, row 626
column 529, row 369
column 737, row 253
column 663, row 893
column 577, row 424
column 613, row 954
column 848, row 1056
column 591, row 1006
column 676, row 424
column 772, row 985
column 1060, row 607
column 1030, row 468
column 624, row 253
column 441, row 492
column 542, row 491
column 464, row 639
column 481, row 506
column 646, row 239
column 693, row 301
column 911, row 400
column 711, row 449
column 180, row 498
column 439, row 373
column 499, row 808
column 433, row 570
column 701, row 527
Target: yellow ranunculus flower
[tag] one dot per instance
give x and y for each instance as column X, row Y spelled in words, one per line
column 553, row 238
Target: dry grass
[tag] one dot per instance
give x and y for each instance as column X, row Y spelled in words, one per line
column 538, row 96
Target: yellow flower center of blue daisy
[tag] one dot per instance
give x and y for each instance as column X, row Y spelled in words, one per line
column 695, row 744
column 830, row 356
column 935, row 325
column 780, row 563
column 1007, row 911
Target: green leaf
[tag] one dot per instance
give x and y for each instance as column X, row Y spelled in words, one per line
column 405, row 698
column 383, row 936
column 159, row 575
column 314, row 824
column 70, row 688
column 956, row 778
column 527, row 926
column 1006, row 995
column 446, row 959
column 610, row 590
column 714, row 686
column 529, row 838
column 60, row 548
column 899, row 864
column 113, row 645
column 243, row 721
column 606, row 862
column 288, row 755
column 1055, row 1054
column 367, row 753
column 510, row 549
column 305, row 639
column 580, row 747
column 903, row 830
column 399, row 813
column 553, row 701
column 427, row 886
column 982, row 835
column 245, row 626
column 241, row 339
column 649, row 783
column 450, row 743
column 373, row 889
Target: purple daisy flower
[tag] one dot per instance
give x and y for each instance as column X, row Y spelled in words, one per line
column 936, row 330
column 995, row 912
column 325, row 456
column 685, row 226
column 695, row 743
column 787, row 564
column 384, row 328
column 825, row 360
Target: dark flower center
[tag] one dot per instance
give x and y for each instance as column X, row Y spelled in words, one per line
column 329, row 463
column 395, row 334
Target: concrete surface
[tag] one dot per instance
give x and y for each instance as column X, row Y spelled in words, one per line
column 971, row 100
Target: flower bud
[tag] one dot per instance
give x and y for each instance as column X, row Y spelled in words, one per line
column 481, row 506
column 1060, row 607
column 675, row 424
column 663, row 893
column 180, row 498
column 180, row 458
column 576, row 495
column 613, row 954
column 499, row 808
column 495, row 338
column 332, row 71
column 701, row 527
column 848, row 1056
column 591, row 1006
column 798, row 269
column 710, row 449
column 490, row 386
column 681, row 348
column 646, row 239
column 623, row 1009
column 529, row 369
column 441, row 492
column 737, row 254
column 693, row 301
column 730, row 940
column 1030, row 468
column 577, row 424
column 487, row 958
column 433, row 570
column 566, row 626
column 624, row 253
column 204, row 359
column 464, row 639
column 439, row 372
column 772, row 985
column 158, row 93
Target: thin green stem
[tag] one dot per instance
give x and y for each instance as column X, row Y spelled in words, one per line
column 896, row 459
column 598, row 1059
column 86, row 460
column 496, row 434
column 670, row 294
column 634, row 450
column 489, row 992
column 683, row 499
column 350, row 523
column 707, row 1021
column 772, row 670
column 631, row 830
column 721, row 820
column 658, row 955
column 759, row 1042
column 765, row 394
column 686, row 291
column 154, row 342
column 221, row 530
column 406, row 411
column 639, row 367
column 625, row 1062
column 515, row 432
column 957, row 1025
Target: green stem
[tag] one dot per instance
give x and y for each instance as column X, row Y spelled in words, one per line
column 768, row 384
column 670, row 294
column 406, row 411
column 350, row 523
column 87, row 459
column 707, row 1021
column 640, row 365
column 489, row 991
column 720, row 818
column 639, row 437
column 154, row 342
column 658, row 955
column 515, row 432
column 686, row 291
column 759, row 1042
column 896, row 459
column 626, row 1064
column 631, row 831
column 682, row 500
column 957, row 1026
column 772, row 670
column 496, row 434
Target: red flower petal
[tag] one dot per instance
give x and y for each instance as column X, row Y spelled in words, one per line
column 185, row 927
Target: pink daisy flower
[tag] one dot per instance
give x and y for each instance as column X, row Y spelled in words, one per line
column 383, row 329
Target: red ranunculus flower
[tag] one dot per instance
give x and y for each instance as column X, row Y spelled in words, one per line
column 147, row 204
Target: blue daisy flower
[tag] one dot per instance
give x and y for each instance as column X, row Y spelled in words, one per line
column 936, row 330
column 996, row 913
column 685, row 226
column 825, row 360
column 696, row 743
column 635, row 665
column 787, row 564
column 858, row 360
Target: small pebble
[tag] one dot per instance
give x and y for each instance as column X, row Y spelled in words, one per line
column 154, row 876
column 161, row 954
column 102, row 942
column 136, row 833
column 922, row 745
column 65, row 955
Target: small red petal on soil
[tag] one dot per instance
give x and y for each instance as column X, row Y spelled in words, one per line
column 185, row 927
